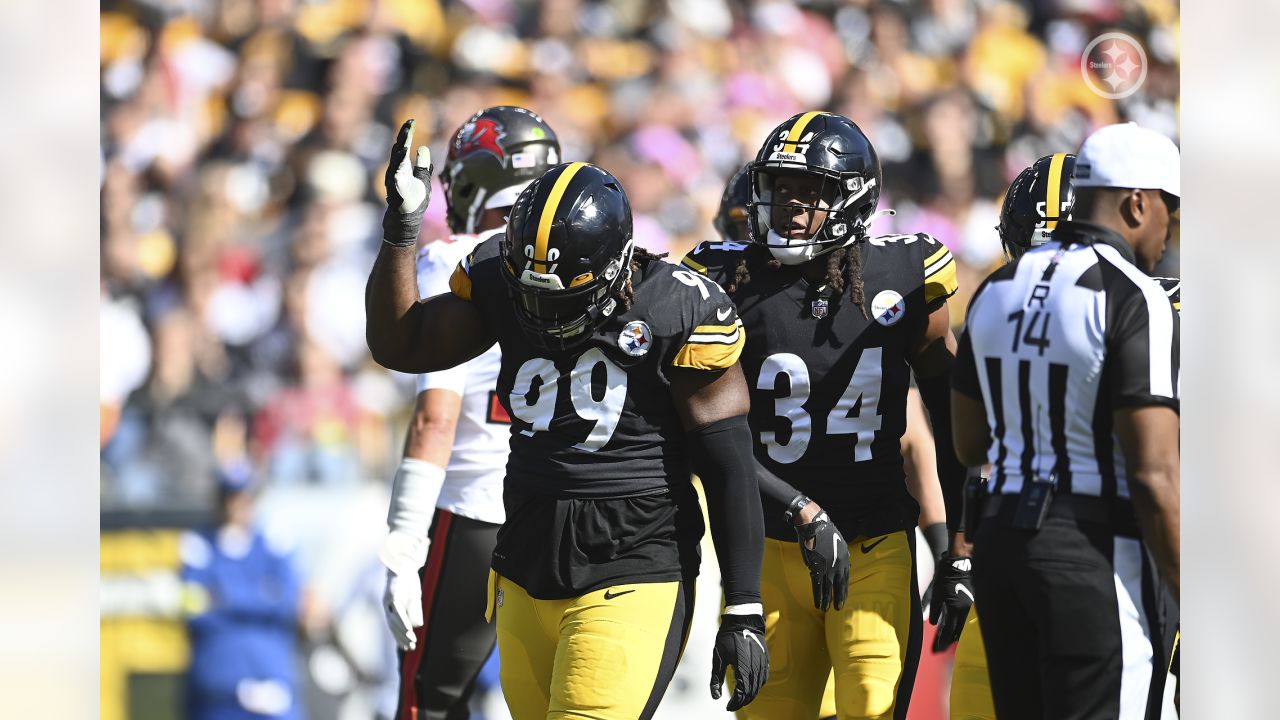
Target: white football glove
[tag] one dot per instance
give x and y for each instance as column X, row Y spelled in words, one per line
column 413, row 495
column 402, row 603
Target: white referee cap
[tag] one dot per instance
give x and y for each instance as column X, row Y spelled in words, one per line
column 1128, row 156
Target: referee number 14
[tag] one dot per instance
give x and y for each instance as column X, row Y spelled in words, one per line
column 1038, row 339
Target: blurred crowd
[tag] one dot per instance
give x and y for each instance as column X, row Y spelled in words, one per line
column 244, row 144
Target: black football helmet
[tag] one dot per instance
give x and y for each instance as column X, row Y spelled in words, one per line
column 731, row 219
column 832, row 154
column 567, row 251
column 1037, row 199
column 492, row 157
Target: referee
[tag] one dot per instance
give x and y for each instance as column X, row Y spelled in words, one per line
column 1066, row 382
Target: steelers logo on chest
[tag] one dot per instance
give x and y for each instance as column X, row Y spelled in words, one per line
column 635, row 338
column 888, row 307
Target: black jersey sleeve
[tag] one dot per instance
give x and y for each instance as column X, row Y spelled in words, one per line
column 1141, row 364
column 711, row 336
column 717, row 260
column 462, row 281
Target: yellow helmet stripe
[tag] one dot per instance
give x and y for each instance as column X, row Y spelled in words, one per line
column 549, row 212
column 1053, row 200
column 797, row 130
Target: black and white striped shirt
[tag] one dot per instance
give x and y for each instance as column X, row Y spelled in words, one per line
column 1054, row 344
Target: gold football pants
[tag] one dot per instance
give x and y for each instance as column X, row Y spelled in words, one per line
column 970, row 685
column 605, row 655
column 872, row 644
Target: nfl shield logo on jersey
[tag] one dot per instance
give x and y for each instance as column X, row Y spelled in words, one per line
column 888, row 307
column 635, row 338
column 819, row 308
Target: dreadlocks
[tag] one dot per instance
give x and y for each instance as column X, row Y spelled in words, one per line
column 844, row 270
column 626, row 295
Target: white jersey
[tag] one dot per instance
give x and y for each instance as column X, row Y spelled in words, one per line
column 473, row 480
column 1053, row 345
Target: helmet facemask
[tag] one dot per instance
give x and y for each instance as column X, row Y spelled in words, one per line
column 557, row 318
column 801, row 212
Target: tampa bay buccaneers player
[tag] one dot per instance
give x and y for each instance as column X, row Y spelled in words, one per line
column 446, row 502
column 620, row 373
column 836, row 323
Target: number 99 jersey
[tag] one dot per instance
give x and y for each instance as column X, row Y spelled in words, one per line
column 598, row 420
column 828, row 384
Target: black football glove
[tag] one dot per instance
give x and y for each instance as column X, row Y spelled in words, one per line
column 740, row 643
column 408, row 190
column 828, row 561
column 951, row 598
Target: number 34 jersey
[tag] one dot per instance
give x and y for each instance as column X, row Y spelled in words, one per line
column 828, row 384
column 598, row 421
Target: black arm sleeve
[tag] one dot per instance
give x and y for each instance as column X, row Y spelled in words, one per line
column 936, row 394
column 776, row 494
column 722, row 458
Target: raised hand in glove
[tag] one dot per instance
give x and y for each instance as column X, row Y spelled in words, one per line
column 740, row 644
column 950, row 599
column 408, row 190
column 827, row 556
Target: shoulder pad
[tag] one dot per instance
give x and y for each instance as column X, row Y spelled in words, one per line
column 700, row 319
column 488, row 251
column 717, row 260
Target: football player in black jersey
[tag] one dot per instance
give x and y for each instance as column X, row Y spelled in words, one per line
column 621, row 375
column 836, row 322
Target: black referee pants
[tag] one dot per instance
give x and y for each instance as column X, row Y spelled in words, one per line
column 1072, row 618
column 438, row 677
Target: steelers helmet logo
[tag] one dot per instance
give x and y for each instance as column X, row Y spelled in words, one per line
column 888, row 307
column 635, row 338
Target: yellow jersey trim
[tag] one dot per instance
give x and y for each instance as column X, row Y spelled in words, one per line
column 941, row 281
column 710, row 356
column 694, row 265
column 460, row 283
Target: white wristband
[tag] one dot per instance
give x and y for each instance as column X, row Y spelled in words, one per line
column 413, row 500
column 744, row 609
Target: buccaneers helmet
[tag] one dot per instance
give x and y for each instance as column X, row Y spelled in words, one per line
column 492, row 157
column 1037, row 199
column 566, row 253
column 731, row 219
column 817, row 163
